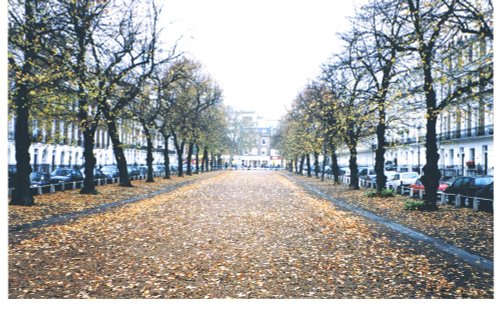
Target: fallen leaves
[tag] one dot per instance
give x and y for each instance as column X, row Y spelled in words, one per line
column 245, row 234
column 461, row 227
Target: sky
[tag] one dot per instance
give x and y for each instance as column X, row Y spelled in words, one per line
column 261, row 53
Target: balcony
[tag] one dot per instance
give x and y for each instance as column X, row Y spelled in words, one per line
column 466, row 133
column 446, row 136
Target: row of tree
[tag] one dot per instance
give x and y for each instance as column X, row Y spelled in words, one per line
column 97, row 63
column 400, row 57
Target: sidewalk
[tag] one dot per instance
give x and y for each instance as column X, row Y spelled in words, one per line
column 71, row 201
column 462, row 227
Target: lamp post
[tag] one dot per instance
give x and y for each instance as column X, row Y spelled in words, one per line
column 374, row 147
column 419, row 127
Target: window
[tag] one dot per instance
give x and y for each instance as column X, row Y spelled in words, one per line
column 264, row 141
column 466, row 182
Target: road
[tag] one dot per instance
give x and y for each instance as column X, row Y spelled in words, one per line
column 240, row 234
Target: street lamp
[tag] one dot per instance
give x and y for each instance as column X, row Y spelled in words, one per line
column 419, row 127
column 374, row 147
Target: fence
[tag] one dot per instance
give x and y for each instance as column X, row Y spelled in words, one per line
column 62, row 186
column 445, row 198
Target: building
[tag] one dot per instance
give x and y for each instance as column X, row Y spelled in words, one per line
column 254, row 141
column 60, row 144
column 464, row 131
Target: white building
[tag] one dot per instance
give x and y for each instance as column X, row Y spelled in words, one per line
column 52, row 149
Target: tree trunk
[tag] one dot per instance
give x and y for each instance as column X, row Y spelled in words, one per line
column 166, row 157
column 308, row 162
column 203, row 163
column 90, row 161
column 316, row 164
column 335, row 166
column 179, row 148
column 353, row 158
column 205, row 158
column 431, row 174
column 324, row 166
column 149, row 153
column 21, row 195
column 121, row 161
column 197, row 159
column 380, row 153
column 189, row 156
column 301, row 167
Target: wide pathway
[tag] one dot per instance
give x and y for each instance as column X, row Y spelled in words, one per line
column 241, row 234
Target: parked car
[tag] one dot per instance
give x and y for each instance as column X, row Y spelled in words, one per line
column 133, row 170
column 487, row 194
column 467, row 186
column 158, row 168
column 65, row 175
column 418, row 185
column 111, row 171
column 98, row 174
column 143, row 170
column 12, row 175
column 402, row 179
column 39, row 179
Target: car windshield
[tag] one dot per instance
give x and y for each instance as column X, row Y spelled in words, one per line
column 484, row 181
column 61, row 173
column 108, row 168
column 410, row 175
column 38, row 177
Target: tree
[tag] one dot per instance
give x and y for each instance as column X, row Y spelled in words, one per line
column 35, row 71
column 431, row 27
column 346, row 79
column 378, row 26
column 125, row 56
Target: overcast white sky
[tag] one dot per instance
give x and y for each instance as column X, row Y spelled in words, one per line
column 260, row 52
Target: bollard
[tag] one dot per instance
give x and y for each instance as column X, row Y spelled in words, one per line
column 74, row 185
column 421, row 194
column 443, row 198
column 52, row 189
column 62, row 186
column 458, row 201
column 411, row 192
column 39, row 189
column 475, row 204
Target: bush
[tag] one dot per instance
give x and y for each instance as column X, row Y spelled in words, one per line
column 371, row 193
column 387, row 193
column 384, row 193
column 414, row 205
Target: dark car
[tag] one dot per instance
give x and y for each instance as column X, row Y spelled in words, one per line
column 98, row 174
column 158, row 168
column 12, row 175
column 65, row 175
column 485, row 196
column 467, row 187
column 133, row 171
column 143, row 170
column 111, row 171
column 39, row 179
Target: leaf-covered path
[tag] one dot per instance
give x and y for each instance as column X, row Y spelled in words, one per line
column 241, row 234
